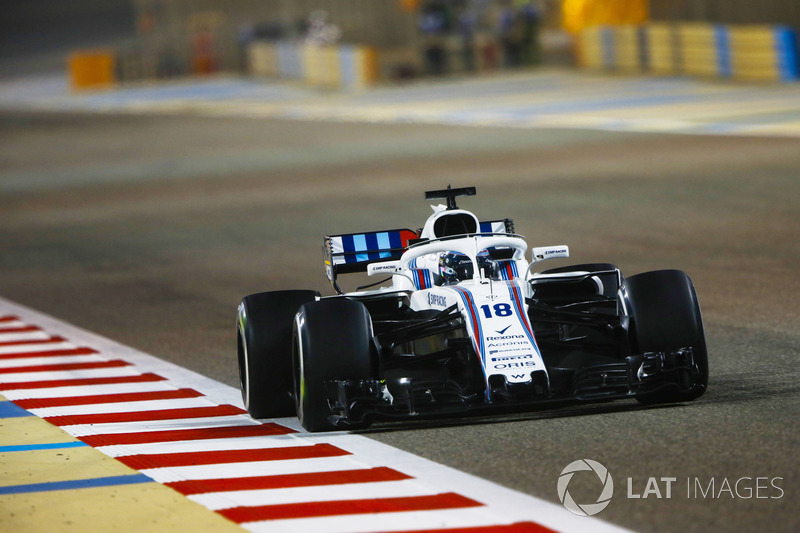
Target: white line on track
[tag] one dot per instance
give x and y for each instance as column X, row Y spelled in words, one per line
column 246, row 443
column 126, row 407
column 82, row 430
column 264, row 468
column 19, row 377
column 33, row 349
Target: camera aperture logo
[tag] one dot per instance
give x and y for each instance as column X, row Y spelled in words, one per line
column 603, row 476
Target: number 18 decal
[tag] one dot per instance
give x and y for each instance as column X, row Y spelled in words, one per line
column 499, row 310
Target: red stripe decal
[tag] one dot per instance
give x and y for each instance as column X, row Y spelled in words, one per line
column 145, row 416
column 448, row 500
column 49, row 353
column 519, row 527
column 39, row 403
column 80, row 382
column 311, row 479
column 161, row 460
column 38, row 341
column 65, row 366
column 177, row 435
column 9, row 318
column 21, row 329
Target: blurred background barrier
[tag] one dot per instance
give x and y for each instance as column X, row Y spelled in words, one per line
column 357, row 43
column 741, row 52
column 662, row 50
column 290, row 60
column 704, row 49
column 764, row 53
column 92, row 69
column 359, row 66
column 319, row 65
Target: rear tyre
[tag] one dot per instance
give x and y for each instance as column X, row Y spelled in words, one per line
column 332, row 341
column 264, row 339
column 665, row 316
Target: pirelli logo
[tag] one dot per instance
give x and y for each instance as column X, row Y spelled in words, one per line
column 512, row 358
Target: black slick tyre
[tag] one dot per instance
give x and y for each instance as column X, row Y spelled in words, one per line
column 665, row 316
column 332, row 341
column 264, row 342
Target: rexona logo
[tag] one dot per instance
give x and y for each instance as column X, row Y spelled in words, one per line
column 585, row 509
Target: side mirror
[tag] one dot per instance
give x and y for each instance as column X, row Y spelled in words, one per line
column 549, row 252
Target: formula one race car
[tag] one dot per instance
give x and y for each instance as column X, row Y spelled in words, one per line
column 465, row 325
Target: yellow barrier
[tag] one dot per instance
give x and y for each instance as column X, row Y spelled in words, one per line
column 753, row 49
column 92, row 69
column 331, row 66
column 591, row 48
column 747, row 52
column 321, row 65
column 628, row 48
column 663, row 56
column 579, row 14
column 262, row 59
column 698, row 49
column 364, row 67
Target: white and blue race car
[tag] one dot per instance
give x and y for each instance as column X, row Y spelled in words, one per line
column 463, row 322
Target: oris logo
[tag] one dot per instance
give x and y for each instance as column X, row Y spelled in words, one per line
column 585, row 509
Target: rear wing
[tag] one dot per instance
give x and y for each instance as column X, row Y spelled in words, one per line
column 352, row 252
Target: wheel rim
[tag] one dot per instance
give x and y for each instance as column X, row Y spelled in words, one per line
column 297, row 375
column 244, row 371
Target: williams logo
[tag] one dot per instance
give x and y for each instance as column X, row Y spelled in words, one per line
column 502, row 331
column 585, row 509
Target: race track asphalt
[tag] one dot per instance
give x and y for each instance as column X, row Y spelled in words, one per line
column 150, row 229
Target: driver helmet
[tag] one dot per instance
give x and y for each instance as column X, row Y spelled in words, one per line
column 455, row 266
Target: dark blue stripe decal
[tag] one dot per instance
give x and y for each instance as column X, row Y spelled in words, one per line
column 486, row 227
column 12, row 410
column 77, row 484
column 348, row 246
column 48, row 446
column 395, row 240
column 372, row 244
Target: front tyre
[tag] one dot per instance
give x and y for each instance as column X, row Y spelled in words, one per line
column 264, row 342
column 665, row 316
column 332, row 341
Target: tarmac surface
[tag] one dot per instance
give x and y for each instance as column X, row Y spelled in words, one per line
column 149, row 227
